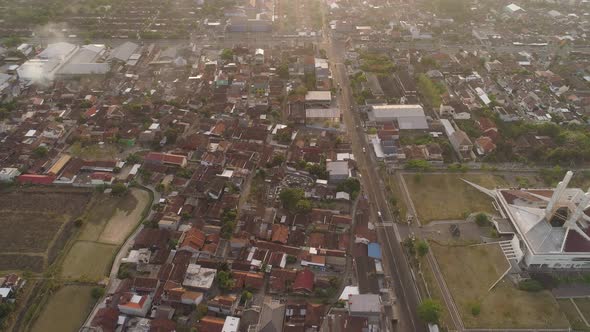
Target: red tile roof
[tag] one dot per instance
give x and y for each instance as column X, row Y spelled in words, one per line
column 304, row 281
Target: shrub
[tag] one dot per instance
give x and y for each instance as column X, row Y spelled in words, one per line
column 475, row 309
column 481, row 219
column 530, row 285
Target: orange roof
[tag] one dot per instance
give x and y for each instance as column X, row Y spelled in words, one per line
column 193, row 238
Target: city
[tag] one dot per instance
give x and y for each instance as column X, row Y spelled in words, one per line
column 282, row 165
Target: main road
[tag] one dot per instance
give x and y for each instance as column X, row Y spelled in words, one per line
column 398, row 270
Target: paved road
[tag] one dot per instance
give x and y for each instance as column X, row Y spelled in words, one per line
column 395, row 263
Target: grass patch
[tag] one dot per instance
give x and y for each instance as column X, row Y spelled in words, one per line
column 88, row 260
column 66, row 310
column 447, row 197
column 127, row 215
column 572, row 315
column 95, row 152
column 436, row 294
column 111, row 219
column 470, row 271
column 584, row 306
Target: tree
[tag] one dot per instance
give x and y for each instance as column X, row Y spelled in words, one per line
column 283, row 71
column 246, row 295
column 351, row 186
column 291, row 259
column 40, row 152
column 303, row 206
column 429, row 311
column 481, row 219
column 225, row 280
column 118, row 189
column 133, row 158
column 97, row 292
column 430, row 91
column 421, row 248
column 227, row 54
column 418, row 164
column 289, row 198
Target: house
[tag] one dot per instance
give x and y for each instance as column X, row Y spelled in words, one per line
column 223, row 304
column 484, row 145
column 8, row 174
column 338, row 171
column 231, row 324
column 106, row 319
column 158, row 158
column 364, row 305
column 198, row 277
column 192, row 240
column 135, row 305
column 318, row 99
column 459, row 141
column 271, row 317
column 304, row 281
column 280, row 233
column 211, row 324
column 322, row 115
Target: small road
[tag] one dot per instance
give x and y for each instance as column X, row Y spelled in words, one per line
column 395, row 264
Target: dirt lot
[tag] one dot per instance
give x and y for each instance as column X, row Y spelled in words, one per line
column 31, row 223
column 470, row 271
column 88, row 260
column 66, row 310
column 447, row 197
column 41, row 229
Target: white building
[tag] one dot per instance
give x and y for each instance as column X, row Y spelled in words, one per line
column 407, row 116
column 550, row 227
column 231, row 324
column 135, row 305
column 199, row 277
column 8, row 174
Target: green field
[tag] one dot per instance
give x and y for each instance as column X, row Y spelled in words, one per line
column 470, row 271
column 88, row 259
column 447, row 197
column 66, row 310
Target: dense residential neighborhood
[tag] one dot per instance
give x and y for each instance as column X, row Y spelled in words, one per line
column 277, row 165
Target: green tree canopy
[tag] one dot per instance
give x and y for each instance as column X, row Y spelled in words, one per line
column 429, row 311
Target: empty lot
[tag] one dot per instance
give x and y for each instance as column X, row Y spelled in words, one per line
column 469, row 272
column 447, row 196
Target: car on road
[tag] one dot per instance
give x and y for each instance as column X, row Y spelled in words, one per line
column 379, row 214
column 364, row 150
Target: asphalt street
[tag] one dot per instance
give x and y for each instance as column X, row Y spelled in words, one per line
column 395, row 263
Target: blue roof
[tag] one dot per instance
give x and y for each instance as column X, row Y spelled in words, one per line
column 374, row 250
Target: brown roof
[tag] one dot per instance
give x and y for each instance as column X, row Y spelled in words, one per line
column 106, row 318
column 314, row 314
column 280, row 233
column 211, row 324
column 193, row 239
